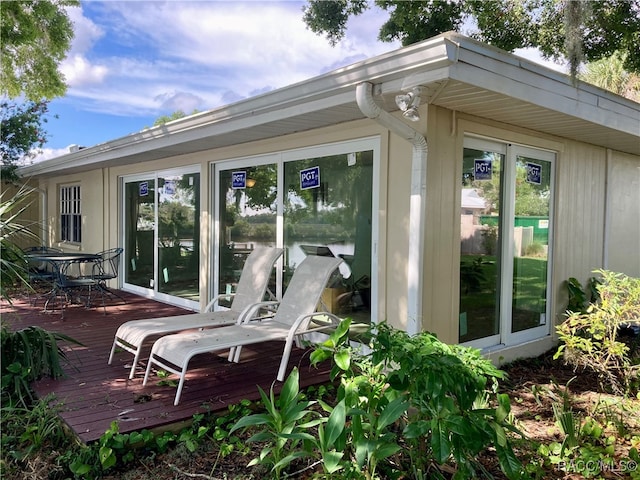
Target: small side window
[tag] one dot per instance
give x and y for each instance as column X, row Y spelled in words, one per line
column 70, row 214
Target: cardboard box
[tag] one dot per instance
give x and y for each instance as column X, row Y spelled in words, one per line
column 331, row 299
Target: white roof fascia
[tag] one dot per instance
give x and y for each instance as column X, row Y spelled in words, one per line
column 496, row 71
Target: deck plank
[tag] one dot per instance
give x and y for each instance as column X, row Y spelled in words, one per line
column 94, row 394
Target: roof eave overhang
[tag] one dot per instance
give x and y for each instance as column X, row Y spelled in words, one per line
column 503, row 87
column 305, row 98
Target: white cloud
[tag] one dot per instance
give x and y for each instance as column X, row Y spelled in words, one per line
column 76, row 68
column 46, row 154
column 86, row 32
column 78, row 72
column 208, row 52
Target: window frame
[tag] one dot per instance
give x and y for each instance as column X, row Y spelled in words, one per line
column 70, row 213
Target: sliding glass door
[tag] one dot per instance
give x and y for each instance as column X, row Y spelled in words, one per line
column 506, row 219
column 310, row 202
column 162, row 235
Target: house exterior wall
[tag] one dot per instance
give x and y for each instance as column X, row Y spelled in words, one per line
column 597, row 193
column 31, row 215
column 594, row 188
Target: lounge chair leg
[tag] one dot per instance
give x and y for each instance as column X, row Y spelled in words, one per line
column 236, row 355
column 136, row 357
column 285, row 359
column 113, row 351
column 147, row 372
column 179, row 391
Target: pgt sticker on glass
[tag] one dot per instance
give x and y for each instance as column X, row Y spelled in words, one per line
column 310, row 178
column 238, row 180
column 143, row 189
column 169, row 187
column 534, row 173
column 482, row 169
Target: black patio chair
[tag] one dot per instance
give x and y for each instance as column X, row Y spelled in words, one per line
column 105, row 269
column 40, row 274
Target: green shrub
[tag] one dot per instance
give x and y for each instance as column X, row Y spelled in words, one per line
column 433, row 397
column 590, row 339
column 28, row 355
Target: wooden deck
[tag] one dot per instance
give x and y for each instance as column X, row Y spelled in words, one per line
column 96, row 394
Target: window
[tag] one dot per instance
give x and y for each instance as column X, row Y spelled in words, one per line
column 70, row 214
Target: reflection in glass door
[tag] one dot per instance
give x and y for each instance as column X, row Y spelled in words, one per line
column 139, row 232
column 162, row 236
column 505, row 237
column 179, row 235
column 247, row 217
column 481, row 244
column 327, row 211
column 531, row 243
column 309, row 205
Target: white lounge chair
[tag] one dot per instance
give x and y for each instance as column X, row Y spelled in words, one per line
column 250, row 289
column 291, row 320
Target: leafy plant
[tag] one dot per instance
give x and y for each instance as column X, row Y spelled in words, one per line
column 439, row 392
column 280, row 425
column 28, row 355
column 579, row 297
column 361, row 429
column 26, row 430
column 448, row 387
column 590, row 339
column 472, row 274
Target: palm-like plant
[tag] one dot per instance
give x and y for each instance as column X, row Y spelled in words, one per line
column 610, row 74
column 13, row 267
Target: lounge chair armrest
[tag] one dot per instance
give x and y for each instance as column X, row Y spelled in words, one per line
column 216, row 300
column 301, row 325
column 250, row 313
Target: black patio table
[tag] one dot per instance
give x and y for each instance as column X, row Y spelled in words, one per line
column 63, row 283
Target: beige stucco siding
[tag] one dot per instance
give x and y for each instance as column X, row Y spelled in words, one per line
column 441, row 258
column 623, row 214
column 579, row 223
column 397, row 230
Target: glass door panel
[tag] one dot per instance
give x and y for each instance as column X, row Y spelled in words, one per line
column 179, row 235
column 327, row 211
column 162, row 236
column 531, row 243
column 247, row 198
column 139, row 231
column 480, row 244
column 505, row 237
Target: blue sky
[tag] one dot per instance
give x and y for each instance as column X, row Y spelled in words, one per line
column 133, row 61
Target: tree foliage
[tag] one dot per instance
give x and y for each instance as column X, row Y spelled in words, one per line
column 36, row 36
column 579, row 30
column 161, row 120
column 610, row 74
column 21, row 133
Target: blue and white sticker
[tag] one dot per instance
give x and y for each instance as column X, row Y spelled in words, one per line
column 169, row 187
column 534, row 173
column 310, row 178
column 143, row 189
column 238, row 180
column 482, row 169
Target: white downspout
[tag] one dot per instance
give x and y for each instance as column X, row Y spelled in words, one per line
column 417, row 207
